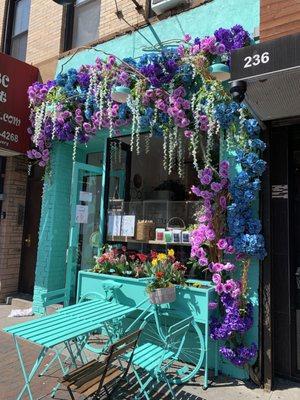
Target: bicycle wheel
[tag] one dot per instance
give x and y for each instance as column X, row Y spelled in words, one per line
column 186, row 353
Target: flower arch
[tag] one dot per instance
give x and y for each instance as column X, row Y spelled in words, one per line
column 173, row 94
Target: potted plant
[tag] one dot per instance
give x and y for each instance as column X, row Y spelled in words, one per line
column 166, row 273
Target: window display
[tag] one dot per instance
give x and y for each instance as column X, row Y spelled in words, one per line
column 146, row 207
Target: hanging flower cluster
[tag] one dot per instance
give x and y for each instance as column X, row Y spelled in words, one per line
column 172, row 95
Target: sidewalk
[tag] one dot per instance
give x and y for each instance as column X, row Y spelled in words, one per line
column 11, row 378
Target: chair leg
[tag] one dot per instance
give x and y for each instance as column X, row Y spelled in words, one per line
column 71, row 394
column 166, row 380
column 143, row 386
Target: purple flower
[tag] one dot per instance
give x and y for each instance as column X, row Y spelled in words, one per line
column 216, row 187
column 229, row 266
column 222, row 244
column 196, row 190
column 223, row 202
column 212, row 305
column 216, row 278
column 216, row 267
column 219, row 288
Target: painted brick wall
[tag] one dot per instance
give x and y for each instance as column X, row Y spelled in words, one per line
column 11, row 228
column 53, row 233
column 54, row 225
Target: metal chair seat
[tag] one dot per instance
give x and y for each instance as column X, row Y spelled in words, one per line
column 148, row 356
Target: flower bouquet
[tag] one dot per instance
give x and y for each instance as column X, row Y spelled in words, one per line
column 166, row 273
column 122, row 262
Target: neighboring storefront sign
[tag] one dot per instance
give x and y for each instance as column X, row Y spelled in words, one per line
column 265, row 58
column 15, row 78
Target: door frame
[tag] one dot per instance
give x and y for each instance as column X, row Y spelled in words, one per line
column 71, row 272
column 266, row 287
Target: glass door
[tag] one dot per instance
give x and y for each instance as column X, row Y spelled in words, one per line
column 84, row 237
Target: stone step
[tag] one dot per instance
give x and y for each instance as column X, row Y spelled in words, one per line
column 19, row 300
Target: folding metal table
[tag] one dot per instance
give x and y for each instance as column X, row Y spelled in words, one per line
column 62, row 327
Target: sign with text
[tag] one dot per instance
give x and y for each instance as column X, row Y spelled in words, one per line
column 15, row 78
column 266, row 57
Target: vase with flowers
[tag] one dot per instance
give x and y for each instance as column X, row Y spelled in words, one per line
column 166, row 274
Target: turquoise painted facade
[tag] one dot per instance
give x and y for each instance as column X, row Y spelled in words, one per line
column 55, row 217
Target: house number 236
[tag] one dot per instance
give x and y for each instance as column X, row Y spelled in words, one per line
column 257, row 59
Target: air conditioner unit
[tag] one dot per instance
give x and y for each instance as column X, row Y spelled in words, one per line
column 160, row 6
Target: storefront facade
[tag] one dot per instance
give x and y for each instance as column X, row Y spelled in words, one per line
column 270, row 72
column 15, row 76
column 66, row 247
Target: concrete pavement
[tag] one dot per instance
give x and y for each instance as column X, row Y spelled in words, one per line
column 11, row 379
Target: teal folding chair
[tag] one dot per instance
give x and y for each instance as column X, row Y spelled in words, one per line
column 154, row 360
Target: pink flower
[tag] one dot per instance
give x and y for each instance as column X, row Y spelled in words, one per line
column 219, row 288
column 203, row 261
column 180, row 50
column 222, row 244
column 187, row 37
column 229, row 286
column 216, row 267
column 216, row 278
column 188, row 134
column 229, row 266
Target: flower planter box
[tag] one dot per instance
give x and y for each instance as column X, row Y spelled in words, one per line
column 133, row 291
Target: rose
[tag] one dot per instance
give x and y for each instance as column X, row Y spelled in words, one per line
column 216, row 278
column 159, row 274
column 222, row 244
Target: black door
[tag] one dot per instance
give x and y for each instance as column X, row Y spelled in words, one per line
column 285, row 249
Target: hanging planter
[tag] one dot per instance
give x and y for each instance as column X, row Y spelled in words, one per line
column 120, row 94
column 163, row 295
column 220, row 71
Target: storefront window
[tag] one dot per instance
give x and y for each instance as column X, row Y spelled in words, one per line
column 157, row 209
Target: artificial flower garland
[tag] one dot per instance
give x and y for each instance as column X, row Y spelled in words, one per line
column 174, row 96
column 228, row 234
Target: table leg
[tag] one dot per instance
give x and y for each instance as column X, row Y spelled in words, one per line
column 79, row 346
column 28, row 377
column 205, row 385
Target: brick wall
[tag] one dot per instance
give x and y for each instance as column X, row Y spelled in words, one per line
column 279, row 18
column 11, row 230
column 110, row 23
column 45, row 31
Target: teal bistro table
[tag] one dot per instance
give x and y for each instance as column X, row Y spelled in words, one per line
column 63, row 327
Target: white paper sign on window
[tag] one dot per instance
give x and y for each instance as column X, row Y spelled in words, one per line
column 85, row 196
column 82, row 213
column 114, row 225
column 128, row 225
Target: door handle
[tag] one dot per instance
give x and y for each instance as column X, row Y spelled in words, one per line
column 28, row 240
